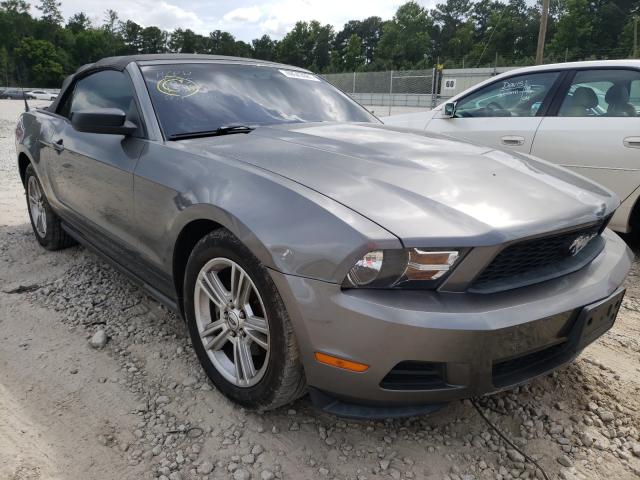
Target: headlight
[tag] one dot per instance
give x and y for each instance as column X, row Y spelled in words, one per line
column 409, row 268
column 367, row 269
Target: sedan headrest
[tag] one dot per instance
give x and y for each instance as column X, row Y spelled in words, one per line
column 617, row 95
column 585, row 97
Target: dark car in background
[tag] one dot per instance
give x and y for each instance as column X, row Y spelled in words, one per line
column 15, row 94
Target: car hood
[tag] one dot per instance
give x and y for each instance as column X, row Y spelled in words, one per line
column 415, row 120
column 424, row 188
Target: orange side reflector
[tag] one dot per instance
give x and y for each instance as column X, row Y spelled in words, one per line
column 341, row 363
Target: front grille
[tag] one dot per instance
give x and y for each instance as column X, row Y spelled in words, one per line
column 533, row 255
column 410, row 375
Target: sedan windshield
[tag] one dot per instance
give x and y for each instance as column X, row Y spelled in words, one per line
column 204, row 97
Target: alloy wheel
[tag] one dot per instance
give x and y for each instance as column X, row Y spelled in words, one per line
column 36, row 206
column 232, row 322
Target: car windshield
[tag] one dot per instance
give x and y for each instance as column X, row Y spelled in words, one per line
column 203, row 97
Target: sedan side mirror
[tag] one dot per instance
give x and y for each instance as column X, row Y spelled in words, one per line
column 103, row 120
column 449, row 109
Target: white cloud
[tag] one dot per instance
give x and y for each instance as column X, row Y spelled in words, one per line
column 246, row 19
column 163, row 14
column 276, row 17
column 244, row 14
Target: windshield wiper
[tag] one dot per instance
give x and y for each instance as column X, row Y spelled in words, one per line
column 223, row 130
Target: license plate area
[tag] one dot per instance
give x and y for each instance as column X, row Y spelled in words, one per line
column 599, row 317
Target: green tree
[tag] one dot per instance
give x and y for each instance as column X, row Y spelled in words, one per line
column 40, row 62
column 296, row 46
column 574, row 36
column 78, row 22
column 369, row 30
column 51, row 11
column 448, row 19
column 220, row 43
column 4, row 67
column 14, row 6
column 131, row 34
column 405, row 41
column 153, row 40
column 307, row 45
column 353, row 56
column 264, row 48
column 91, row 45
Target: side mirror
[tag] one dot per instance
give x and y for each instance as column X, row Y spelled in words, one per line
column 449, row 109
column 103, row 120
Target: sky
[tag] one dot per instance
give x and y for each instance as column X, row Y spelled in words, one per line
column 245, row 19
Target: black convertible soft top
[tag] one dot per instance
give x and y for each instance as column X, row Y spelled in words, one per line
column 120, row 63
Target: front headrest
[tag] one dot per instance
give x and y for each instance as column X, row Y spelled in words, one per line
column 585, row 97
column 617, row 95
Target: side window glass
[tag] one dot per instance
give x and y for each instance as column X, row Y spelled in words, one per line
column 105, row 89
column 520, row 96
column 64, row 108
column 602, row 93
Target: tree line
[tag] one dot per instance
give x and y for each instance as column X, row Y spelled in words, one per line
column 457, row 33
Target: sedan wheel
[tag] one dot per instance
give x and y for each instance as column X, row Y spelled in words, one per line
column 232, row 322
column 239, row 325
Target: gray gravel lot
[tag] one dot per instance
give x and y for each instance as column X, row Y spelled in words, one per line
column 98, row 381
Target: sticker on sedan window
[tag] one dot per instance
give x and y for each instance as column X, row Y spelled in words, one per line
column 176, row 86
column 299, row 75
column 521, row 88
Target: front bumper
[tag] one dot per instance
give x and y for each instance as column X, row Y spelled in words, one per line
column 477, row 343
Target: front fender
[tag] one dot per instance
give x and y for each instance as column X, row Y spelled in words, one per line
column 288, row 227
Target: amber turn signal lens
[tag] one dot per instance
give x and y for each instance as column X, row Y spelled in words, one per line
column 429, row 265
column 341, row 363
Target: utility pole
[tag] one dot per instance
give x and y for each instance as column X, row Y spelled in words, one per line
column 542, row 33
column 635, row 38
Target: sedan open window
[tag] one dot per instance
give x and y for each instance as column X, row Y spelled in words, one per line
column 519, row 96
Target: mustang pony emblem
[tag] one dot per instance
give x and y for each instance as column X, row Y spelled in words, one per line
column 580, row 242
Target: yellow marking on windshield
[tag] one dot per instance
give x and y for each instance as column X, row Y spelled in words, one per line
column 175, row 86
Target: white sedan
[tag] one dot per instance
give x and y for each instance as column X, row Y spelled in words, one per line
column 584, row 116
column 43, row 95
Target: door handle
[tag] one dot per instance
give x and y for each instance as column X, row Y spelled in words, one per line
column 58, row 146
column 512, row 140
column 631, row 142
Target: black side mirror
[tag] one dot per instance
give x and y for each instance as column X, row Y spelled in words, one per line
column 103, row 120
column 449, row 109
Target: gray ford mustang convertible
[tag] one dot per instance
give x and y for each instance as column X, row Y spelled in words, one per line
column 311, row 248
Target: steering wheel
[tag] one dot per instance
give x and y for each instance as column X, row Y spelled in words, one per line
column 493, row 106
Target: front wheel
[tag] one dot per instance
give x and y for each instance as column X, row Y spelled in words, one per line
column 239, row 325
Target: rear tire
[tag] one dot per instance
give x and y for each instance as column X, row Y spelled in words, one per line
column 234, row 311
column 46, row 225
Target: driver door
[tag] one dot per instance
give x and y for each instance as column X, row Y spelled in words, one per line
column 92, row 174
column 503, row 114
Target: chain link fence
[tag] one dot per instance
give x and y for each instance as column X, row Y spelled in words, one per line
column 388, row 92
column 392, row 92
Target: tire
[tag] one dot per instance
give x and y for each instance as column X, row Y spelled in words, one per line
column 279, row 376
column 46, row 225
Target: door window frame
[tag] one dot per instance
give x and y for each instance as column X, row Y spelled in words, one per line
column 546, row 102
column 70, row 90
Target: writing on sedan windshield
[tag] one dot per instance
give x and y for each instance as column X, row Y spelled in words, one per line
column 521, row 88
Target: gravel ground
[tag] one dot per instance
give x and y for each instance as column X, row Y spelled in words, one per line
column 98, row 381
